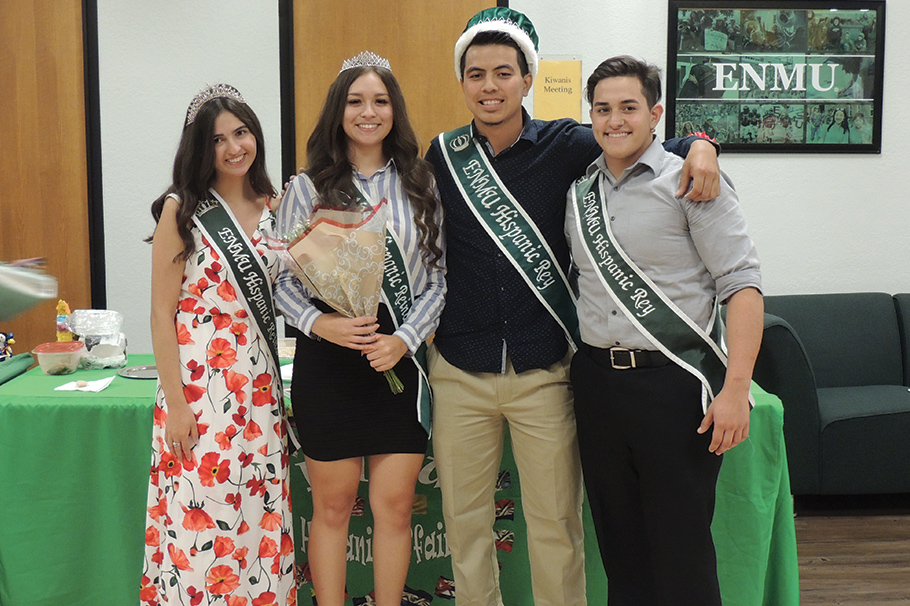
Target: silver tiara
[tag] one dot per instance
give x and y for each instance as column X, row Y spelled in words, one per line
column 207, row 94
column 365, row 59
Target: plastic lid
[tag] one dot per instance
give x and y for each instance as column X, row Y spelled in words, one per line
column 59, row 347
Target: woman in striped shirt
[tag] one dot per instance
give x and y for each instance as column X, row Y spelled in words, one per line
column 362, row 151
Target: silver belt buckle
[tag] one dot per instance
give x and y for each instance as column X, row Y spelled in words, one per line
column 621, row 366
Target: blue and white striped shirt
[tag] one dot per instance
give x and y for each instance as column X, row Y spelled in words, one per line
column 427, row 282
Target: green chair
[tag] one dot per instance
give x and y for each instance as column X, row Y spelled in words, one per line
column 836, row 362
column 782, row 368
column 902, row 307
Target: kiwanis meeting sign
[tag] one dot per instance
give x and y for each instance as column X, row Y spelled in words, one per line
column 777, row 76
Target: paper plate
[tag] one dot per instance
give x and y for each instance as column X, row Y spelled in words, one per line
column 139, row 372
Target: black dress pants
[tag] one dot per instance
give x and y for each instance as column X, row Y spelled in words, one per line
column 650, row 481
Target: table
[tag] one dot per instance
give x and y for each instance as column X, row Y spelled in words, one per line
column 74, row 475
column 753, row 528
column 73, row 480
column 754, row 534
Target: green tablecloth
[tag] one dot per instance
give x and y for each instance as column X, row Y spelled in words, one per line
column 73, row 482
column 753, row 528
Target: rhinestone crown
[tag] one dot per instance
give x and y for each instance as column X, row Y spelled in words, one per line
column 365, row 59
column 207, row 94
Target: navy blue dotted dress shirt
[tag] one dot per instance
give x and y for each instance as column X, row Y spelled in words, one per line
column 490, row 311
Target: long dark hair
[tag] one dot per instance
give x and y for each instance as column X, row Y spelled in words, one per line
column 330, row 169
column 194, row 165
column 843, row 124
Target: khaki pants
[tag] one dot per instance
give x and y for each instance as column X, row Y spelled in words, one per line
column 469, row 418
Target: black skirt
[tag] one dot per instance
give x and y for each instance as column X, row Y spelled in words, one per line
column 343, row 408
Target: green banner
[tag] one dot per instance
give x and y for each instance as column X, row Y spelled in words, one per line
column 753, row 529
column 641, row 301
column 514, row 232
column 399, row 296
column 219, row 226
column 430, row 574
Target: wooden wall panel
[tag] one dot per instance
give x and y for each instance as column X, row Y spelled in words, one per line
column 43, row 186
column 416, row 36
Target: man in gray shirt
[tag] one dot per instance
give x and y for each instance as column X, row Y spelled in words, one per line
column 649, row 379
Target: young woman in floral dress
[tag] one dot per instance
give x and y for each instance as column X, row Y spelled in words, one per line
column 219, row 528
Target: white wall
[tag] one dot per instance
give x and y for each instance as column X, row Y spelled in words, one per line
column 153, row 58
column 822, row 223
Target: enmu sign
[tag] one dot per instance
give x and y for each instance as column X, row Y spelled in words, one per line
column 776, row 75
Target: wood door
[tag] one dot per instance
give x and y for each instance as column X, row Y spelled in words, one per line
column 416, row 36
column 44, row 185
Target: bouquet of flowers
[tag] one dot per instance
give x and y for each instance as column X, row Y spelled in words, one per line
column 339, row 255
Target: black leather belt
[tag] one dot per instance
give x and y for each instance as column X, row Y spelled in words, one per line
column 621, row 358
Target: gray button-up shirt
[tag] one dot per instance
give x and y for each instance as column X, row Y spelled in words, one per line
column 695, row 252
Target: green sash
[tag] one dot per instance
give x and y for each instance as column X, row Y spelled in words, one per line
column 643, row 303
column 244, row 263
column 507, row 223
column 399, row 297
column 254, row 289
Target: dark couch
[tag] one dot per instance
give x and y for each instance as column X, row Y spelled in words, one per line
column 840, row 364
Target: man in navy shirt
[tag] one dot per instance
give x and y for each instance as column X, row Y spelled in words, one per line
column 502, row 349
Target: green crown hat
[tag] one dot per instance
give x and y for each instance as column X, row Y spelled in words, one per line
column 505, row 20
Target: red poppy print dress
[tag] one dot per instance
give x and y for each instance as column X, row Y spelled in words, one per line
column 219, row 531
